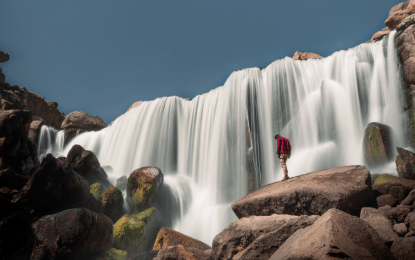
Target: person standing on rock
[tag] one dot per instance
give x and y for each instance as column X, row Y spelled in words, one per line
column 283, row 152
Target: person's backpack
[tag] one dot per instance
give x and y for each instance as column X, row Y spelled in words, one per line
column 285, row 146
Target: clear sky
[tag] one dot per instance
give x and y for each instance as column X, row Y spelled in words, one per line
column 102, row 56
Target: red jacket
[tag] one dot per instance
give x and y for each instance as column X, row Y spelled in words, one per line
column 283, row 145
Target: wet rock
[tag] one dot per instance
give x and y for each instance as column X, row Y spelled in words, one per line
column 112, row 203
column 380, row 223
column 380, row 34
column 387, row 178
column 399, row 12
column 73, row 231
column 122, row 183
column 400, row 229
column 404, row 248
column 136, row 233
column 305, row 56
column 113, row 254
column 169, row 237
column 334, row 235
column 409, row 200
column 387, row 212
column 70, row 133
column 96, row 189
column 347, row 188
column 180, row 252
column 377, row 144
column 82, row 120
column 4, row 56
column 405, row 163
column 387, row 199
column 143, row 184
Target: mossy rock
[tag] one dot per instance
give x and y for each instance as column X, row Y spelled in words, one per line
column 377, row 144
column 114, row 254
column 96, row 189
column 136, row 233
column 374, row 176
column 385, row 178
column 169, row 237
column 142, row 186
column 112, row 203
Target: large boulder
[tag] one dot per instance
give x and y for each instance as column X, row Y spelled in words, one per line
column 410, row 199
column 142, row 187
column 387, row 178
column 121, row 183
column 347, row 188
column 113, row 254
column 405, row 163
column 169, row 237
column 380, row 223
column 404, row 248
column 335, row 235
column 377, row 144
column 82, row 120
column 136, row 233
column 4, row 56
column 305, row 56
column 257, row 237
column 399, row 12
column 112, row 203
column 180, row 252
column 72, row 232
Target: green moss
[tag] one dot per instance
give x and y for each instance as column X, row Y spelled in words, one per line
column 96, row 189
column 374, row 139
column 141, row 196
column 114, row 254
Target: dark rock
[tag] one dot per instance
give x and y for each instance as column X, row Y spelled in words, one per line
column 405, row 163
column 169, row 237
column 82, row 120
column 35, row 127
column 387, row 212
column 70, row 133
column 347, row 188
column 387, row 178
column 96, row 189
column 380, row 223
column 122, row 183
column 335, row 235
column 62, row 161
column 377, row 144
column 2, row 80
column 4, row 56
column 305, row 56
column 183, row 253
column 409, row 200
column 410, row 221
column 383, row 188
column 11, row 180
column 400, row 212
column 112, row 203
column 7, row 208
column 387, row 200
column 400, row 229
column 404, row 248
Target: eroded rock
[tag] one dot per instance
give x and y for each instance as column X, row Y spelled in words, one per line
column 305, row 56
column 82, row 120
column 168, row 237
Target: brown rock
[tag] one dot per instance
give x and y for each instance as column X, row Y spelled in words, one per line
column 404, row 248
column 387, row 178
column 387, row 199
column 410, row 221
column 405, row 163
column 34, row 131
column 400, row 212
column 400, row 192
column 168, row 237
column 387, row 212
column 399, row 12
column 347, row 188
column 136, row 104
column 70, row 133
column 335, row 235
column 379, row 35
column 400, row 229
column 305, row 56
column 4, row 56
column 180, row 252
column 409, row 200
column 80, row 119
column 405, row 42
column 380, row 223
column 2, row 78
column 112, row 203
column 11, row 180
column 377, row 144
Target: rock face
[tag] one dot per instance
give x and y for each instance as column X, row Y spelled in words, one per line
column 399, row 12
column 377, row 145
column 70, row 133
column 35, row 127
column 136, row 233
column 4, row 56
column 305, row 56
column 404, row 248
column 168, row 237
column 380, row 223
column 387, row 178
column 142, row 186
column 180, row 252
column 405, row 163
column 72, row 231
column 346, row 188
column 80, row 119
column 112, row 202
column 335, row 235
column 379, row 35
column 2, row 76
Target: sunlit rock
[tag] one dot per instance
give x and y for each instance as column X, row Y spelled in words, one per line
column 305, row 56
column 380, row 223
column 180, row 252
column 169, row 237
column 377, row 144
column 399, row 12
column 379, row 35
column 82, row 120
column 96, row 189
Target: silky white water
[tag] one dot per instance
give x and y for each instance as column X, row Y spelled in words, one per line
column 321, row 106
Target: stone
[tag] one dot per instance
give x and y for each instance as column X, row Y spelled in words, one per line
column 380, row 34
column 112, row 203
column 387, row 178
column 400, row 212
column 136, row 233
column 121, row 183
column 71, row 133
column 400, row 192
column 387, row 212
column 383, row 188
column 113, row 254
column 150, row 255
column 380, row 223
column 347, row 188
column 334, row 235
column 399, row 12
column 82, row 120
column 136, row 104
column 387, row 200
column 405, row 163
column 73, row 231
column 35, row 127
column 4, row 56
column 143, row 184
column 2, row 80
column 12, row 180
column 168, row 237
column 377, row 144
column 409, row 200
column 180, row 252
column 305, row 56
column 400, row 229
column 404, row 248
column 96, row 189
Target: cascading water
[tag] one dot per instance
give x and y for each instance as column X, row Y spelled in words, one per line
column 50, row 141
column 212, row 148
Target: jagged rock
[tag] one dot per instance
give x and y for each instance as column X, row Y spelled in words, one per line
column 377, row 144
column 387, row 212
column 4, row 56
column 400, row 212
column 169, row 237
column 404, row 248
column 410, row 221
column 379, row 35
column 387, row 178
column 35, row 127
column 70, row 133
column 136, row 233
column 305, row 56
column 2, row 80
column 380, row 223
column 335, row 235
column 405, row 163
column 409, row 200
column 387, row 199
column 400, row 229
column 397, row 190
column 399, row 12
column 347, row 188
column 73, row 232
column 400, row 192
column 146, row 256
column 96, row 189
column 82, row 120
column 122, row 183
column 180, row 252
column 112, row 203
column 142, row 186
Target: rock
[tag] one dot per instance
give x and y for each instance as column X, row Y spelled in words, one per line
column 400, row 212
column 400, row 192
column 405, row 163
column 387, row 212
column 399, row 12
column 374, row 176
column 377, row 144
column 404, row 248
column 180, row 252
column 387, row 178
column 113, row 254
column 383, row 188
column 136, row 104
column 379, row 35
column 409, row 200
column 12, row 180
column 34, row 131
column 73, row 231
column 70, row 133
column 51, row 188
column 347, row 188
column 4, row 56
column 380, row 223
column 136, row 233
column 96, row 189
column 142, row 186
column 150, row 255
column 112, row 203
column 80, row 119
column 122, row 183
column 335, row 235
column 387, row 199
column 2, row 80
column 7, row 208
column 305, row 56
column 410, row 221
column 400, row 229
column 169, row 237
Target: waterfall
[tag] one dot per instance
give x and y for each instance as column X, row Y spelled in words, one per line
column 215, row 146
column 50, row 141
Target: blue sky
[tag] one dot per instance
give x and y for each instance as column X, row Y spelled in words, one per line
column 102, row 56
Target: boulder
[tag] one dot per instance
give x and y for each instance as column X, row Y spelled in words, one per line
column 143, row 184
column 96, row 189
column 121, row 183
column 400, row 212
column 70, row 133
column 169, row 237
column 136, row 233
column 2, row 80
column 150, row 255
column 136, row 104
column 347, row 188
column 387, row 212
column 82, row 120
column 335, row 235
column 397, row 190
column 409, row 200
column 73, row 232
column 400, row 192
column 399, row 12
column 380, row 223
column 112, row 203
column 387, row 178
column 379, row 35
column 404, row 248
column 180, row 252
column 305, row 56
column 410, row 221
column 12, row 180
column 400, row 229
column 35, row 127
column 4, row 56
column 405, row 163
column 377, row 144
column 387, row 199
column 113, row 254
